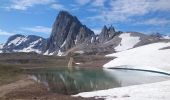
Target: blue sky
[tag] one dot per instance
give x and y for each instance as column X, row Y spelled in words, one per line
column 37, row 16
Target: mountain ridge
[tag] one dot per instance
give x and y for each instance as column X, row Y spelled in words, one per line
column 69, row 35
column 22, row 43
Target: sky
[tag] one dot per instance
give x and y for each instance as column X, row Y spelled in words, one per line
column 36, row 17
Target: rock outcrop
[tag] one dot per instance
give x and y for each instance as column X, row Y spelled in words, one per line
column 67, row 32
column 107, row 34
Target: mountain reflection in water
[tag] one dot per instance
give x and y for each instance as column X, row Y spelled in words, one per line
column 62, row 80
column 65, row 81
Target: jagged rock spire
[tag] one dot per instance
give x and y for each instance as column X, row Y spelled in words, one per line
column 106, row 33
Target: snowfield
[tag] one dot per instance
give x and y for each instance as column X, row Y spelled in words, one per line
column 152, row 91
column 145, row 57
column 166, row 37
column 17, row 41
column 127, row 42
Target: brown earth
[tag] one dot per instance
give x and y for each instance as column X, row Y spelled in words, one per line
column 28, row 89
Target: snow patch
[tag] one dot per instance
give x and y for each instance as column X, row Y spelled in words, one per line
column 127, row 42
column 92, row 39
column 30, row 47
column 46, row 53
column 60, row 53
column 51, row 53
column 63, row 44
column 152, row 91
column 17, row 41
column 148, row 56
column 166, row 37
column 79, row 52
column 1, row 46
column 78, row 63
column 75, row 41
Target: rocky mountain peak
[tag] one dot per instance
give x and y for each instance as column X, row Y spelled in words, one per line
column 104, row 30
column 111, row 29
column 106, row 34
column 67, row 31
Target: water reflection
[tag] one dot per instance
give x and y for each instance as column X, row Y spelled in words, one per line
column 65, row 81
column 62, row 80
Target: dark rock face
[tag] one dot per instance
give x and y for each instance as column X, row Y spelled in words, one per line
column 21, row 43
column 67, row 32
column 107, row 34
column 156, row 35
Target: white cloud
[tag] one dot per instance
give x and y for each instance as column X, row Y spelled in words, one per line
column 58, row 7
column 96, row 31
column 38, row 29
column 98, row 3
column 82, row 2
column 162, row 5
column 92, row 2
column 123, row 10
column 155, row 21
column 25, row 4
column 2, row 32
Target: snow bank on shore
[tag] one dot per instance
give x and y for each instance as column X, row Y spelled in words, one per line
column 153, row 91
column 150, row 56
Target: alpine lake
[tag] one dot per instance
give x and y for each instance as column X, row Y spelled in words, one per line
column 68, row 81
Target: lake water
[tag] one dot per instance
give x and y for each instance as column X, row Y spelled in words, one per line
column 65, row 81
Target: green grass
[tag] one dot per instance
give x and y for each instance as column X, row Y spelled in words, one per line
column 9, row 74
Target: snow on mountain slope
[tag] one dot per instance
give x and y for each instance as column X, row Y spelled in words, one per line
column 30, row 48
column 166, row 37
column 127, row 42
column 17, row 41
column 1, row 47
column 148, row 56
column 21, row 43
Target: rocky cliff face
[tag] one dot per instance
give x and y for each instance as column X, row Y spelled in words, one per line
column 67, row 32
column 21, row 43
column 107, row 34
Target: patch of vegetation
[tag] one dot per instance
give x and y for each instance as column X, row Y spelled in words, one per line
column 30, row 60
column 9, row 74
